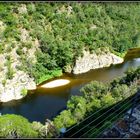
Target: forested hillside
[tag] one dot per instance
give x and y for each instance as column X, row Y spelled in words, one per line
column 58, row 32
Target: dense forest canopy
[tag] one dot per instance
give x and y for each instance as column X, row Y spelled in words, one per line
column 64, row 29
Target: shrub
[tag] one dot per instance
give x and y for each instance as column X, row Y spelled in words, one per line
column 10, row 70
column 65, row 119
column 1, row 49
column 24, row 92
column 19, row 51
column 4, row 82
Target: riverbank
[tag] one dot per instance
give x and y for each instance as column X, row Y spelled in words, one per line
column 48, row 102
column 96, row 96
column 17, row 88
column 104, row 59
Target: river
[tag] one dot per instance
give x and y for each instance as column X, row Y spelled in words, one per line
column 45, row 103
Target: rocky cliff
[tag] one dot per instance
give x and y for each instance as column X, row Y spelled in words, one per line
column 94, row 61
column 14, row 81
column 16, row 87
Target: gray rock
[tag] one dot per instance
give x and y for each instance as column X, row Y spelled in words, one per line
column 93, row 61
column 22, row 9
column 12, row 89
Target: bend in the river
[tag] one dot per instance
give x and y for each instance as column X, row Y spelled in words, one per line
column 45, row 103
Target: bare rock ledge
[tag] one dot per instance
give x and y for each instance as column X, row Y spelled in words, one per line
column 13, row 89
column 93, row 61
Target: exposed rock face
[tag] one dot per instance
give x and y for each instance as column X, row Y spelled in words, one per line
column 93, row 61
column 24, row 35
column 22, row 9
column 15, row 87
column 64, row 9
column 12, row 89
column 2, row 26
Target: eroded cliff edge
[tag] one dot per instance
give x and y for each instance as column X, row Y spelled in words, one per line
column 93, row 61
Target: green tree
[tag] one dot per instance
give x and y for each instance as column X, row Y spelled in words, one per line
column 77, row 105
column 107, row 100
column 65, row 119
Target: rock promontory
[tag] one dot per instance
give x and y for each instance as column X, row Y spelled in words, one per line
column 93, row 61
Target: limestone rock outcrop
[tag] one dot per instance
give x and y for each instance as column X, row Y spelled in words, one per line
column 12, row 89
column 94, row 61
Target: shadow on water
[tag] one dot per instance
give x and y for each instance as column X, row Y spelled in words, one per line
column 45, row 103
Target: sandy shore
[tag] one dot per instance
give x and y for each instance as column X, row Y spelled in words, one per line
column 56, row 83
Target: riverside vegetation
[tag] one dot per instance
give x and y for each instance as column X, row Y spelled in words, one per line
column 42, row 40
column 95, row 95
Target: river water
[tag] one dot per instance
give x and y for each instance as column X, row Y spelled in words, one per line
column 45, row 103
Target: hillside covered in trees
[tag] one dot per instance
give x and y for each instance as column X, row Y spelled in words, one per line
column 57, row 33
column 42, row 40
